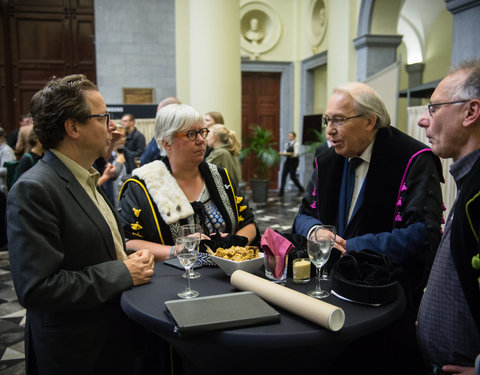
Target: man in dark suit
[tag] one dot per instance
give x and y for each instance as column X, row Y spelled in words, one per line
column 66, row 246
column 393, row 206
column 134, row 144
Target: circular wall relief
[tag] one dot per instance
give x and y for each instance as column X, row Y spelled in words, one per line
column 317, row 21
column 260, row 28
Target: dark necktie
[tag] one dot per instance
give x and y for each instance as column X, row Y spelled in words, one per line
column 353, row 163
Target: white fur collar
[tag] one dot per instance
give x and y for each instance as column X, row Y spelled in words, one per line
column 172, row 203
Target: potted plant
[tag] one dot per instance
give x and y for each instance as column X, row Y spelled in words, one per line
column 318, row 140
column 261, row 147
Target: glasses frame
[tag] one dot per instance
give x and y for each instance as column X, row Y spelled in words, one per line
column 326, row 120
column 107, row 115
column 430, row 105
column 192, row 135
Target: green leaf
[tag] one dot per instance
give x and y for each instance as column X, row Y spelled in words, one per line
column 260, row 145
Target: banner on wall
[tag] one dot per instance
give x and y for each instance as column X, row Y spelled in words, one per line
column 386, row 83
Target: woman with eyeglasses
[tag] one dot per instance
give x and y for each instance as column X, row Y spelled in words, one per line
column 180, row 189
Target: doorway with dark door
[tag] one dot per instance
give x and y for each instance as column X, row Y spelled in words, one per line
column 41, row 39
column 261, row 106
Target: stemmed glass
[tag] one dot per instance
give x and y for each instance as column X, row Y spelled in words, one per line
column 324, row 272
column 187, row 256
column 191, row 235
column 319, row 250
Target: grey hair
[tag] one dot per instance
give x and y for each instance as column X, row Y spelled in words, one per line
column 2, row 133
column 470, row 88
column 366, row 102
column 173, row 119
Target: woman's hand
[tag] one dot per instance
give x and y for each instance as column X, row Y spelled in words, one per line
column 220, row 233
column 204, row 236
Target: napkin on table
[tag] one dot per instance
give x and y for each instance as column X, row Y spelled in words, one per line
column 274, row 243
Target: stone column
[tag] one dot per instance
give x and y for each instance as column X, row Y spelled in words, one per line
column 214, row 59
column 466, row 29
column 375, row 52
column 415, row 78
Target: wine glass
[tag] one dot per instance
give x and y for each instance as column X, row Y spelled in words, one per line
column 186, row 256
column 138, row 161
column 324, row 271
column 319, row 251
column 191, row 235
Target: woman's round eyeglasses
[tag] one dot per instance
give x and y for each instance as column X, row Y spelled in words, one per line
column 192, row 134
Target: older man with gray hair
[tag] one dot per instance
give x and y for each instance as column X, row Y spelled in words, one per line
column 449, row 315
column 381, row 189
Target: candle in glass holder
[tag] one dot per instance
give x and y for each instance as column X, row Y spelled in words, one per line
column 301, row 270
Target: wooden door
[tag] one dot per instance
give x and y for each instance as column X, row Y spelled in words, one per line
column 6, row 102
column 45, row 38
column 260, row 106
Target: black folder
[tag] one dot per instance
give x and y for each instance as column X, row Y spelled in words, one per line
column 220, row 311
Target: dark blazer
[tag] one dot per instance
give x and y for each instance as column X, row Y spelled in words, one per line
column 134, row 146
column 66, row 275
column 399, row 213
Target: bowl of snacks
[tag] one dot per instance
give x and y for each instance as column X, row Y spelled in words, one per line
column 247, row 259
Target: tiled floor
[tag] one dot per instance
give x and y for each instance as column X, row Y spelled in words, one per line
column 277, row 214
column 12, row 321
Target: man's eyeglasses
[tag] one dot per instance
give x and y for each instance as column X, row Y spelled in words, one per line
column 337, row 121
column 192, row 134
column 433, row 106
column 105, row 116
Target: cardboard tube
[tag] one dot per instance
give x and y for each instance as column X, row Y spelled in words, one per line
column 319, row 312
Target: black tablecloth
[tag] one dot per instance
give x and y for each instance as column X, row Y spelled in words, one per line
column 294, row 344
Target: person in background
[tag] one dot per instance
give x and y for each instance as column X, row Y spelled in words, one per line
column 104, row 165
column 66, row 248
column 392, row 206
column 22, row 146
column 210, row 119
column 6, row 154
column 292, row 151
column 152, row 151
column 449, row 316
column 115, row 171
column 213, row 118
column 225, row 150
column 31, row 158
column 13, row 136
column 180, row 189
column 135, row 142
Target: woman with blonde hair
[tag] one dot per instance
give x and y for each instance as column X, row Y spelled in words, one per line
column 225, row 150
